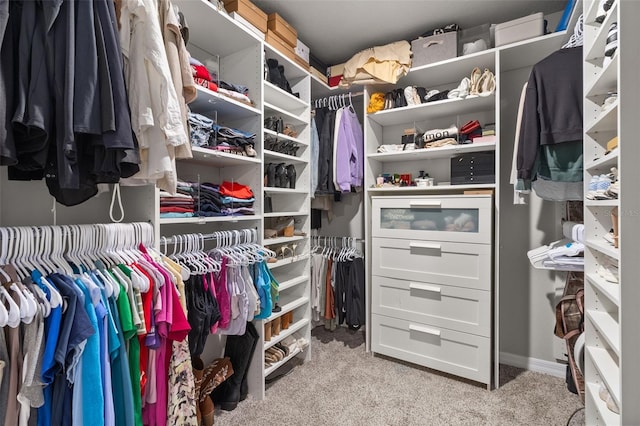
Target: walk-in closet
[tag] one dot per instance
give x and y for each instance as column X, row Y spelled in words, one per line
column 263, row 212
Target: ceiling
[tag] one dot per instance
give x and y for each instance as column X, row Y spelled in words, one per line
column 334, row 30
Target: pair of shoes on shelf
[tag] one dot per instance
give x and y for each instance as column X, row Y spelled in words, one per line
column 280, row 175
column 282, row 146
column 274, row 123
column 481, row 83
column 287, row 251
column 608, row 271
column 606, row 397
column 603, row 8
column 600, row 187
column 414, row 95
column 275, row 75
column 611, row 44
column 280, row 227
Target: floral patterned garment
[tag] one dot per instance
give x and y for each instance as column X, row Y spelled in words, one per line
column 181, row 407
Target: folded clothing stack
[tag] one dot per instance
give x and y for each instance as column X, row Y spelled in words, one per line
column 208, row 79
column 236, row 199
column 205, row 133
column 207, row 200
column 178, row 205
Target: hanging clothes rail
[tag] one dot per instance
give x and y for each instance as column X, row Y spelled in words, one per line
column 336, row 101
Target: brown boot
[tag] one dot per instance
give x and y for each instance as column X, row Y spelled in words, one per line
column 215, row 373
column 198, row 371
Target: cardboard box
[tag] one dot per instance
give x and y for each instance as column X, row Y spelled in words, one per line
column 304, row 64
column 236, row 16
column 282, row 28
column 280, row 45
column 336, row 70
column 302, row 50
column 249, row 11
column 519, row 29
column 435, row 48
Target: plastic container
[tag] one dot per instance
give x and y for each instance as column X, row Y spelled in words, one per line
column 520, row 29
column 474, row 39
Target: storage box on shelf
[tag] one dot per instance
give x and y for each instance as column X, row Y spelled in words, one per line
column 249, row 11
column 282, row 29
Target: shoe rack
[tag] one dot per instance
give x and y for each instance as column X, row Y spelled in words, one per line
column 287, row 226
column 612, row 347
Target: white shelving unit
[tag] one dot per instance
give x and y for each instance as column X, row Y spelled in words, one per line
column 292, row 269
column 612, row 344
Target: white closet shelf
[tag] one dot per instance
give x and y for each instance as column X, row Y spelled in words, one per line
column 605, row 81
column 289, row 118
column 280, row 214
column 604, row 247
column 282, row 240
column 284, row 285
column 610, row 290
column 604, row 163
column 447, row 151
column 607, row 327
column 202, row 220
column 283, row 136
column 526, row 53
column 590, row 16
column 288, row 261
column 278, row 364
column 430, row 110
column 438, row 188
column 283, row 99
column 208, row 25
column 607, row 416
column 286, row 333
column 284, row 190
column 606, row 121
column 450, row 71
column 216, row 158
column 228, row 109
column 608, row 369
column 288, row 307
column 596, row 51
column 601, row 203
column 285, row 157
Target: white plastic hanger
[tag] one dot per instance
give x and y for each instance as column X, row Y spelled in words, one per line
column 4, row 314
column 13, row 318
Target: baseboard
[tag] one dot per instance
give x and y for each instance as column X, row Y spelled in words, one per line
column 538, row 365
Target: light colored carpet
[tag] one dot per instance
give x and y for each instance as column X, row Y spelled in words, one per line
column 344, row 385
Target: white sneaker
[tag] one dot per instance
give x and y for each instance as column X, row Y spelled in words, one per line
column 609, row 273
column 612, row 40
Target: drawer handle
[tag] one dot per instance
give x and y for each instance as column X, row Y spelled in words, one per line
column 430, row 203
column 425, row 287
column 425, row 246
column 425, row 330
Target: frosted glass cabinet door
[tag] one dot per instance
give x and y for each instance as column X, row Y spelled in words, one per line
column 456, row 218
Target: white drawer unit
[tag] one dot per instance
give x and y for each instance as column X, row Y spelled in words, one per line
column 462, row 354
column 456, row 218
column 439, row 262
column 456, row 308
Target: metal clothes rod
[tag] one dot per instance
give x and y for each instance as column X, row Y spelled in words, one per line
column 231, row 236
column 337, row 239
column 332, row 100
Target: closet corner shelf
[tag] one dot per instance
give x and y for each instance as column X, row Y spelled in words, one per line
column 430, row 110
column 284, row 285
column 216, row 158
column 526, row 53
column 203, row 220
column 227, row 108
column 607, row 327
column 604, row 247
column 607, row 416
column 605, row 81
column 610, row 290
column 285, row 333
column 447, row 151
column 608, row 369
column 282, row 99
column 602, row 203
column 292, row 70
column 278, row 364
column 437, row 188
column 288, row 261
column 288, row 117
column 281, row 240
column 284, row 190
column 596, row 51
column 604, row 163
column 283, row 136
column 283, row 157
column 606, row 121
column 590, row 16
column 283, row 214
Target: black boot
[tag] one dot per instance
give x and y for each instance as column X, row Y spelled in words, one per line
column 239, row 349
column 275, row 77
column 270, row 173
column 291, row 176
column 244, row 386
column 281, row 176
column 284, row 85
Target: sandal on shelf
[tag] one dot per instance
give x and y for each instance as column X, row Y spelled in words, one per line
column 461, row 91
column 474, row 83
column 487, row 83
column 289, row 131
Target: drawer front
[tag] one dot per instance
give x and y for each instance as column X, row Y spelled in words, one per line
column 465, row 219
column 461, row 354
column 437, row 262
column 456, row 308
